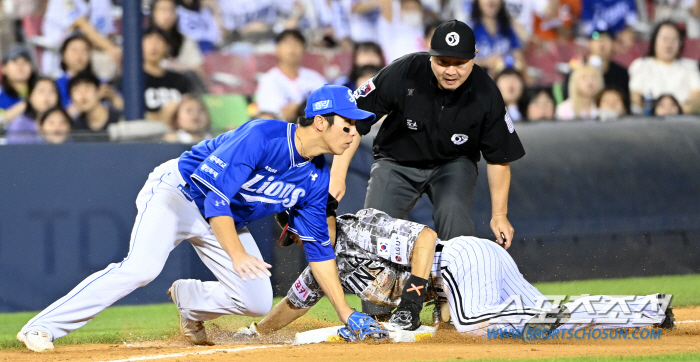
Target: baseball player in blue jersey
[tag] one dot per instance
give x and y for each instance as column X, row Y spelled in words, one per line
column 207, row 197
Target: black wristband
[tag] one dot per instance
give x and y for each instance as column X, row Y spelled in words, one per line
column 414, row 290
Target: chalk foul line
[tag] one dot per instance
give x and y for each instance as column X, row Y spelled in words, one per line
column 184, row 354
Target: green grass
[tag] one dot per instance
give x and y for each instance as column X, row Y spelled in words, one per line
column 159, row 321
column 685, row 288
column 681, row 357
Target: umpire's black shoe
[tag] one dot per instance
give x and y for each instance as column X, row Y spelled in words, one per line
column 406, row 317
column 540, row 327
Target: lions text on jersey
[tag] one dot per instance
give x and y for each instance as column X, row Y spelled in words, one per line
column 255, row 170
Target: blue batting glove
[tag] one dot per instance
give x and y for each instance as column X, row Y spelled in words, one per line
column 360, row 326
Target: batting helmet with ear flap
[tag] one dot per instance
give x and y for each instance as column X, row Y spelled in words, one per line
column 282, row 219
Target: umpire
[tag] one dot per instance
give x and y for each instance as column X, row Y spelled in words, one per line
column 441, row 112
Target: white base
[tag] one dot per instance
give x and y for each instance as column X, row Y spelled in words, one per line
column 330, row 334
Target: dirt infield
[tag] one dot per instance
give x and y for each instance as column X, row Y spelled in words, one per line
column 446, row 345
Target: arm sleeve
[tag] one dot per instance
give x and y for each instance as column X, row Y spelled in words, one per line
column 305, row 292
column 378, row 94
column 214, row 205
column 230, row 165
column 499, row 142
column 309, row 221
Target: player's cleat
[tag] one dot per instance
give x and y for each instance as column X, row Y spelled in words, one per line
column 193, row 330
column 406, row 317
column 247, row 333
column 670, row 320
column 540, row 327
column 36, row 340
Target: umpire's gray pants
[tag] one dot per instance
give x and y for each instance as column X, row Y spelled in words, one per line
column 394, row 189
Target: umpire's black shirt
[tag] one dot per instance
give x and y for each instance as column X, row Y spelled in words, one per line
column 428, row 126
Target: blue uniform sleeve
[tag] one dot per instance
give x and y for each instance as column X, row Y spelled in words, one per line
column 316, row 252
column 226, row 169
column 308, row 220
column 214, row 205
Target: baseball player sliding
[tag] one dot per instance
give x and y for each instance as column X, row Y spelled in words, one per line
column 378, row 258
column 207, row 197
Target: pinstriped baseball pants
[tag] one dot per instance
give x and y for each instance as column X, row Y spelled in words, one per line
column 485, row 290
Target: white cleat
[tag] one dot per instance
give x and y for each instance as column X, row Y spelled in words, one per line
column 193, row 330
column 247, row 333
column 36, row 340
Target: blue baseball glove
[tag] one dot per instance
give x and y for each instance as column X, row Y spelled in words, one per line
column 360, row 326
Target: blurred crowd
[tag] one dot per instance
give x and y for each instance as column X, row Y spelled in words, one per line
column 210, row 65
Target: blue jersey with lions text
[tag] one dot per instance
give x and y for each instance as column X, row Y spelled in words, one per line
column 255, row 170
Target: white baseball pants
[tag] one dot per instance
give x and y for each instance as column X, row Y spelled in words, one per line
column 165, row 218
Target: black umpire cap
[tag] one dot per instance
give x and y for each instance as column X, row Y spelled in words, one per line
column 454, row 39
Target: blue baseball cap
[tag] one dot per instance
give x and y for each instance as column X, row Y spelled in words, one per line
column 336, row 99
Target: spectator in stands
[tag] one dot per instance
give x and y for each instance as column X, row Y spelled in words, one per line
column 63, row 17
column 666, row 105
column 497, row 44
column 75, row 58
column 617, row 15
column 538, row 104
column 600, row 48
column 523, row 13
column 585, row 84
column 284, row 87
column 191, row 123
column 43, row 95
column 330, row 22
column 364, row 15
column 18, row 76
column 511, row 84
column 558, row 21
column 400, row 28
column 94, row 117
column 429, row 31
column 664, row 71
column 184, row 52
column 680, row 11
column 364, row 74
column 611, row 104
column 55, row 126
column 163, row 88
column 248, row 20
column 364, row 54
column 197, row 21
